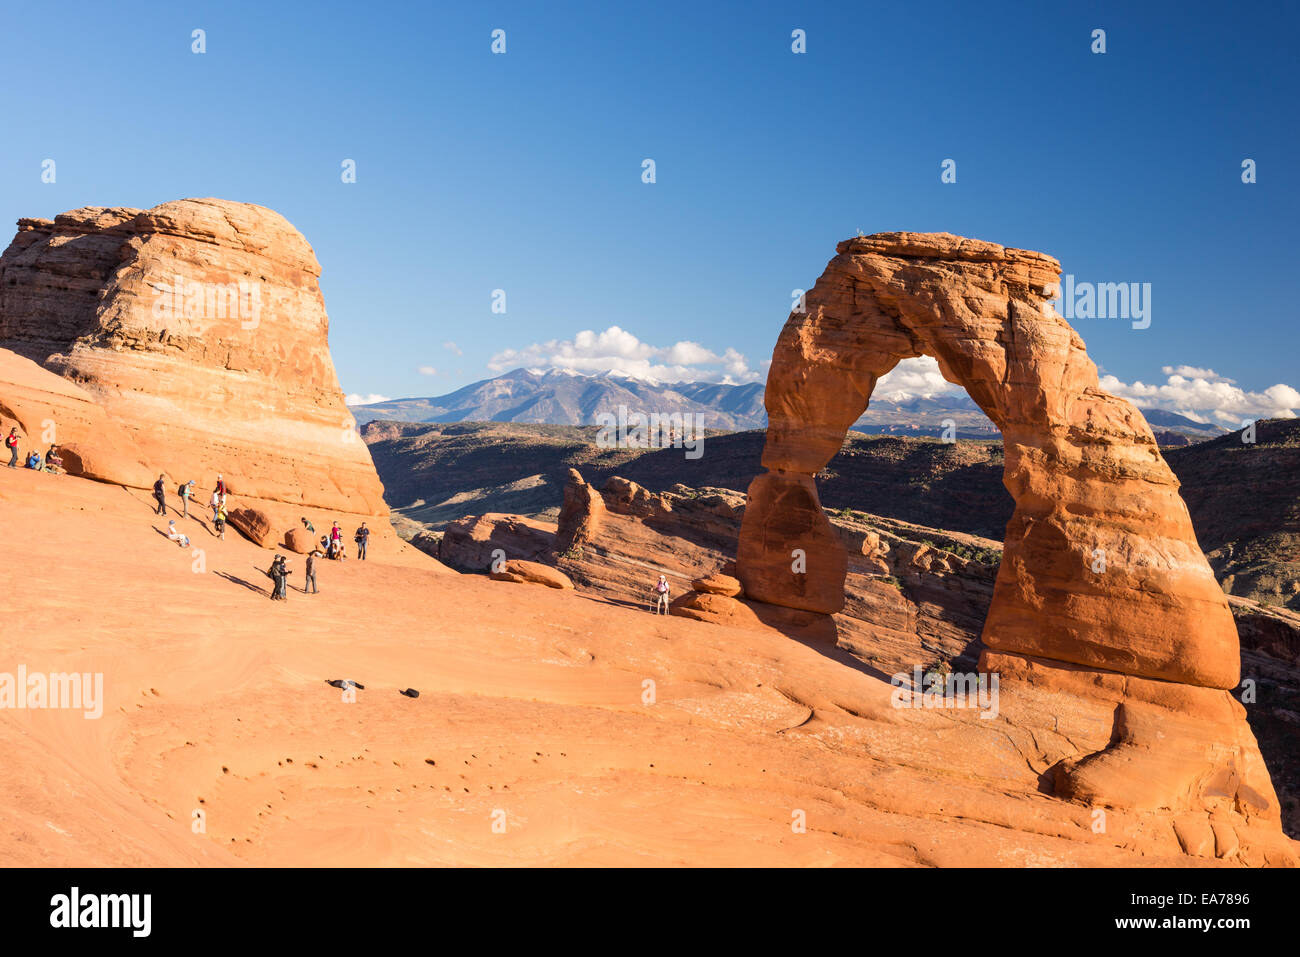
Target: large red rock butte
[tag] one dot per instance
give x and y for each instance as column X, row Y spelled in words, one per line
column 1102, row 591
column 199, row 330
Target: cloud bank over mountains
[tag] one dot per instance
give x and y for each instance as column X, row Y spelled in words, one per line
column 619, row 352
column 1201, row 394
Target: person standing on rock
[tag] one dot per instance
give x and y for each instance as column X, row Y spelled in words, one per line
column 12, row 440
column 336, row 542
column 661, row 590
column 309, row 586
column 215, row 504
column 160, row 495
column 363, row 536
column 221, row 487
column 185, row 491
column 219, row 520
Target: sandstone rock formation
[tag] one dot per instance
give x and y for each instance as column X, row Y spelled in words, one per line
column 254, row 524
column 477, row 542
column 580, row 515
column 199, row 327
column 1102, row 590
column 719, row 584
column 299, row 540
column 534, row 573
column 1082, row 465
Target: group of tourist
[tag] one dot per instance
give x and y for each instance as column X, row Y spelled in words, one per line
column 331, row 547
column 50, row 462
column 185, row 491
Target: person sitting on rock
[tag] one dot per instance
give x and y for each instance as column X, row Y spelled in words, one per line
column 34, row 460
column 53, row 462
column 661, row 590
column 177, row 536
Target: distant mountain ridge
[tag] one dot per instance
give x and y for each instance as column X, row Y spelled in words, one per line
column 564, row 397
column 561, row 397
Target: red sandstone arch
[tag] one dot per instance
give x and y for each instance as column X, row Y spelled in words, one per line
column 1082, row 465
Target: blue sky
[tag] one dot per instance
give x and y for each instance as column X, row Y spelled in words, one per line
column 523, row 171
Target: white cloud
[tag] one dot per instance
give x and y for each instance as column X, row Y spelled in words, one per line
column 1199, row 394
column 1206, row 396
column 917, row 378
column 452, row 347
column 354, row 398
column 427, row 370
column 618, row 351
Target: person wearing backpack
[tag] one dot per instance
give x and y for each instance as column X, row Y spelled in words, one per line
column 219, row 520
column 161, row 496
column 185, row 490
column 661, row 590
column 279, row 578
column 362, row 538
column 12, row 440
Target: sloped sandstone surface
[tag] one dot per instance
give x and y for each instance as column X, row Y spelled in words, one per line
column 48, row 409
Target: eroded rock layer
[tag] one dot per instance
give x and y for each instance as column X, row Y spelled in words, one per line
column 199, row 327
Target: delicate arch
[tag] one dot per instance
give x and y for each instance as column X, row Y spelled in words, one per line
column 1083, row 467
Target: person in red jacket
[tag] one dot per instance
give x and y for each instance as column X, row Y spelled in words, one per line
column 11, row 440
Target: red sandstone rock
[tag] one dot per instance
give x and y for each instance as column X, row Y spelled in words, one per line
column 1103, row 598
column 1082, row 465
column 254, row 524
column 718, row 609
column 532, row 573
column 300, row 540
column 581, row 514
column 476, row 543
column 146, row 312
column 628, row 498
column 719, row 584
